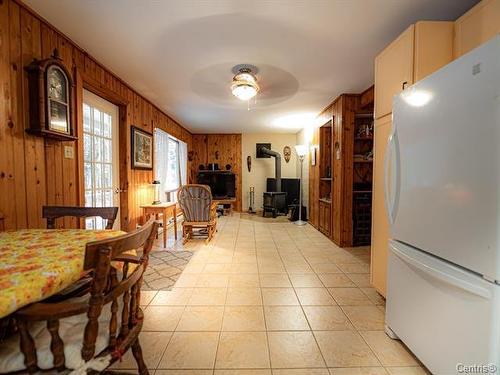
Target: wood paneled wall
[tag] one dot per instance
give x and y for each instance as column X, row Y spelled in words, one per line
column 221, row 149
column 34, row 171
column 341, row 113
column 314, row 170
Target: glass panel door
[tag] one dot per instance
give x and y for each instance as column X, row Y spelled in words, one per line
column 100, row 155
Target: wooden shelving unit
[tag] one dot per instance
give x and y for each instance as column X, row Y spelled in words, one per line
column 362, row 176
column 341, row 181
column 325, row 179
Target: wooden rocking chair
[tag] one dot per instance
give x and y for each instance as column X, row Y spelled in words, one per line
column 199, row 211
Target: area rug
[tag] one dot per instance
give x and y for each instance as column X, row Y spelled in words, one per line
column 165, row 267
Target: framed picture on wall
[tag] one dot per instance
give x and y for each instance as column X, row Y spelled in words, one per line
column 142, row 149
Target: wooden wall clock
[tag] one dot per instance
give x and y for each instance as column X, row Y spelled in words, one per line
column 50, row 103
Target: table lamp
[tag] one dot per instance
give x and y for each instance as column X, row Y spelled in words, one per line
column 156, row 185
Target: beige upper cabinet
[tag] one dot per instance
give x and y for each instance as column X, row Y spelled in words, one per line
column 433, row 47
column 477, row 26
column 393, row 67
column 419, row 51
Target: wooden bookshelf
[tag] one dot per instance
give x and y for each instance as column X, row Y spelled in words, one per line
column 325, row 179
column 340, row 182
column 362, row 176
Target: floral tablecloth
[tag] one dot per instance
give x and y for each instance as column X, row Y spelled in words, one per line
column 38, row 263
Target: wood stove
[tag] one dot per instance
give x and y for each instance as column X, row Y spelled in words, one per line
column 274, row 202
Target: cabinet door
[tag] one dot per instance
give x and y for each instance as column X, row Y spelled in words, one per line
column 393, row 67
column 477, row 26
column 328, row 219
column 380, row 224
column 314, row 182
column 433, row 47
column 321, row 223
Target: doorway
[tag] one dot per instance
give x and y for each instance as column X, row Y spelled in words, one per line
column 101, row 164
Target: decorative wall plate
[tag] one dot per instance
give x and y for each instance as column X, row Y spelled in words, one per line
column 249, row 163
column 287, row 153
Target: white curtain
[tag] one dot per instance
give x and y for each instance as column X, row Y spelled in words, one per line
column 161, row 159
column 183, row 162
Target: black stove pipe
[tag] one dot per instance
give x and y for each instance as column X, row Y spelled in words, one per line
column 277, row 163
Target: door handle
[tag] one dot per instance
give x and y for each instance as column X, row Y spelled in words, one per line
column 388, row 156
column 391, row 200
column 442, row 275
column 403, row 86
column 118, row 191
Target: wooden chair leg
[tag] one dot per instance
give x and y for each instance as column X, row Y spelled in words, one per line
column 210, row 230
column 186, row 233
column 137, row 352
column 208, row 236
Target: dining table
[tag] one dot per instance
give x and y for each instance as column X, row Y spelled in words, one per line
column 38, row 263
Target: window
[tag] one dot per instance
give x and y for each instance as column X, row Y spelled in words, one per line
column 100, row 156
column 173, row 181
column 170, row 164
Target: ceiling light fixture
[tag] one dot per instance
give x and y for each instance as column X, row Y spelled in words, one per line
column 244, row 85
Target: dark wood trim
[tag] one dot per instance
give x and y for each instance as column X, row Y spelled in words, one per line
column 101, row 90
column 367, row 97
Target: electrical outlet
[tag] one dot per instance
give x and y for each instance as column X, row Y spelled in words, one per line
column 68, row 152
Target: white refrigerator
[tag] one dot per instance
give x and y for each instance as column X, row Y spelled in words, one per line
column 442, row 186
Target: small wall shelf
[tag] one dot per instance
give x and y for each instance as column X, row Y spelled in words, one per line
column 363, row 160
column 364, row 114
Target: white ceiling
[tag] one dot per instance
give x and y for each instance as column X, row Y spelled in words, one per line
column 179, row 53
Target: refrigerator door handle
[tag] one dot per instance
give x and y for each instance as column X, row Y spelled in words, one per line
column 392, row 184
column 442, row 275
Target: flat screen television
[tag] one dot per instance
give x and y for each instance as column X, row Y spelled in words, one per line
column 222, row 183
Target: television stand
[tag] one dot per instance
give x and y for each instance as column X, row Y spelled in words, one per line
column 226, row 202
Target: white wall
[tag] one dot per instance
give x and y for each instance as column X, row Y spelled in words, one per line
column 264, row 168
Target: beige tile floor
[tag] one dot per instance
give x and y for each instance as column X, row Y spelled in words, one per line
column 267, row 297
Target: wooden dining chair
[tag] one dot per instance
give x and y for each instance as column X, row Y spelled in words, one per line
column 199, row 210
column 88, row 333
column 51, row 213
